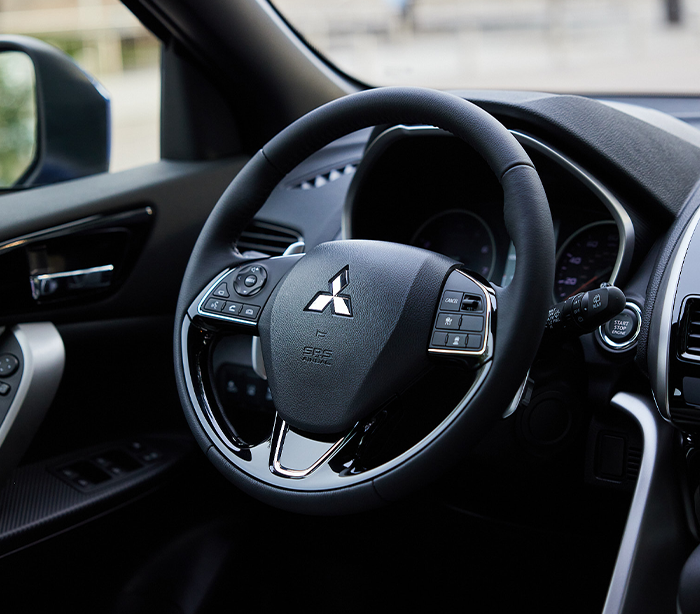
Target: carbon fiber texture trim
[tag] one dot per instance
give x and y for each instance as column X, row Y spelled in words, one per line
column 35, row 502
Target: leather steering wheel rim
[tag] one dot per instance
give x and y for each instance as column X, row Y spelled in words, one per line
column 521, row 306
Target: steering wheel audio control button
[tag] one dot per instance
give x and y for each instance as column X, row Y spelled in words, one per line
column 8, row 364
column 250, row 279
column 222, row 299
column 221, row 291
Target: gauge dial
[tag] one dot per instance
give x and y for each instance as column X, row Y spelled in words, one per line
column 461, row 235
column 586, row 259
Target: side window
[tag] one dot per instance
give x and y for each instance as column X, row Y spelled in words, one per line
column 109, row 43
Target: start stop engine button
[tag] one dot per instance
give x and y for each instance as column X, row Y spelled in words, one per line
column 621, row 332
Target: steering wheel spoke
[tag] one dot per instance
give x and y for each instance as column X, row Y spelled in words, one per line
column 296, row 455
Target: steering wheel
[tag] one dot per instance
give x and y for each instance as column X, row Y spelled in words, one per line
column 349, row 327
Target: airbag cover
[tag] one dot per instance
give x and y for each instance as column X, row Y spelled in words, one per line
column 348, row 328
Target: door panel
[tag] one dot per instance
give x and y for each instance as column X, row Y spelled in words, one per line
column 117, row 381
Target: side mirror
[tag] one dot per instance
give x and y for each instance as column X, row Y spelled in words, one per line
column 54, row 117
column 18, row 117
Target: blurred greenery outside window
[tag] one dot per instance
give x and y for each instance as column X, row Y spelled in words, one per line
column 109, row 43
column 18, row 118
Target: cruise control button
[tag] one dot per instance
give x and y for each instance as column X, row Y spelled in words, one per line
column 472, row 302
column 456, row 341
column 451, row 301
column 214, row 304
column 474, row 342
column 8, row 364
column 249, row 311
column 440, row 339
column 448, row 321
column 472, row 323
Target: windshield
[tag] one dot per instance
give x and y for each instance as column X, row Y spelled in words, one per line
column 586, row 46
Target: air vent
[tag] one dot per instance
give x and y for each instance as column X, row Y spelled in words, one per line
column 267, row 238
column 320, row 180
column 685, row 418
column 689, row 347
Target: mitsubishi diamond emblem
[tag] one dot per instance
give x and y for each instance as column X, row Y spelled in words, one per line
column 341, row 302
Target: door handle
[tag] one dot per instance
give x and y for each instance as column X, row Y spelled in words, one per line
column 69, row 282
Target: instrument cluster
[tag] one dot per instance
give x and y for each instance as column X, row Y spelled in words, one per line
column 423, row 187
